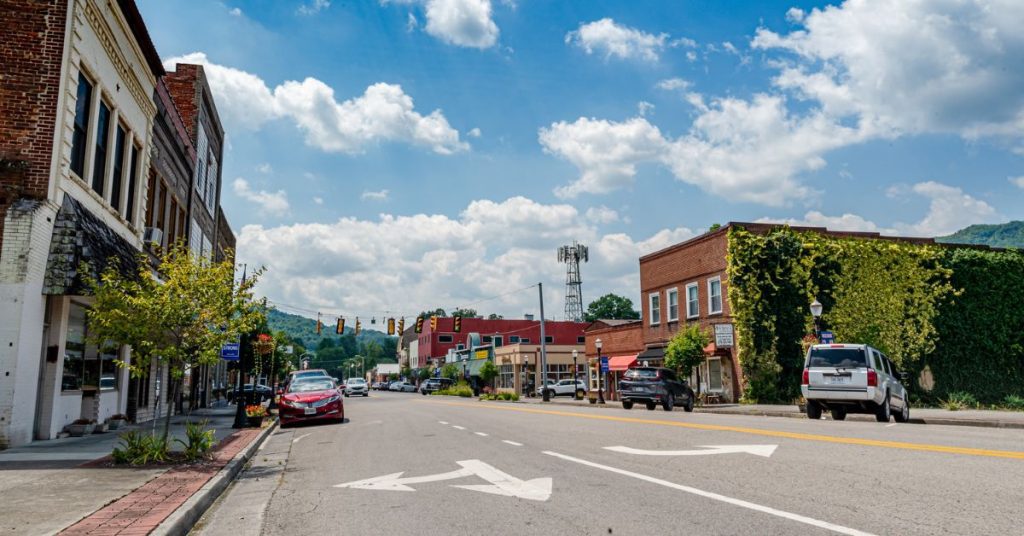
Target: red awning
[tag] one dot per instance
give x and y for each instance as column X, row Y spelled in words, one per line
column 710, row 349
column 619, row 363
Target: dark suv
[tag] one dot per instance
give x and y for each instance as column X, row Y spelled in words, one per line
column 653, row 386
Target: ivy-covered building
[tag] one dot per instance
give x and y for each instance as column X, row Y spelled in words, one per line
column 949, row 314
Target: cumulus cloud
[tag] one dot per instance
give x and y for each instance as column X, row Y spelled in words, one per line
column 910, row 67
column 318, row 200
column 845, row 222
column 474, row 133
column 275, row 203
column 643, row 108
column 673, row 84
column 490, row 248
column 236, row 12
column 381, row 195
column 602, row 214
column 465, row 23
column 608, row 38
column 383, row 113
column 314, row 7
column 1019, row 181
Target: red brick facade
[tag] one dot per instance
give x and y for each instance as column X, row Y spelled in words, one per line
column 431, row 347
column 182, row 86
column 31, row 55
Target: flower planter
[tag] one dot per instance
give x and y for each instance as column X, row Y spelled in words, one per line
column 255, row 422
column 115, row 424
column 79, row 430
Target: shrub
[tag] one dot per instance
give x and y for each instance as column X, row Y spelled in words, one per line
column 199, row 440
column 255, row 410
column 1014, row 402
column 508, row 397
column 959, row 400
column 140, row 449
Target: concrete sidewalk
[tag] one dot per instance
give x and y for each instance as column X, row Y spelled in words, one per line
column 49, row 485
column 973, row 417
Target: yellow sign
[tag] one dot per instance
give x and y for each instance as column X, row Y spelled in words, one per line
column 482, row 354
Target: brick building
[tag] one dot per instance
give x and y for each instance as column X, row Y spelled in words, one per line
column 621, row 342
column 76, row 116
column 434, row 345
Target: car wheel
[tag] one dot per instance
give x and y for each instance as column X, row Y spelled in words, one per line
column 366, row 394
column 346, row 395
column 884, row 411
column 669, row 404
column 838, row 414
column 626, row 404
column 651, row 406
column 904, row 414
column 813, row 410
column 689, row 404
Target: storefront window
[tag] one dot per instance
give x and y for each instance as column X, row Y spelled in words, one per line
column 506, row 377
column 85, row 366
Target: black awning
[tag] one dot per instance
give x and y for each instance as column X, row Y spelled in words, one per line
column 81, row 237
column 651, row 353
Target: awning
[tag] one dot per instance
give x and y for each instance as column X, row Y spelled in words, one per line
column 710, row 349
column 652, row 353
column 620, row 363
column 473, row 365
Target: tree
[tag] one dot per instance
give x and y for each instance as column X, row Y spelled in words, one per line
column 451, row 371
column 465, row 313
column 686, row 350
column 494, row 316
column 488, row 372
column 611, row 306
column 714, row 227
column 436, row 312
column 424, row 373
column 181, row 319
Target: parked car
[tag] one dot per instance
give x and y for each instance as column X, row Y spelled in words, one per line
column 653, row 386
column 310, row 400
column 263, row 392
column 574, row 388
column 435, row 384
column 853, row 378
column 403, row 387
column 300, row 374
column 356, row 386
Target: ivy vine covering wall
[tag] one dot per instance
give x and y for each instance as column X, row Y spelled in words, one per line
column 959, row 312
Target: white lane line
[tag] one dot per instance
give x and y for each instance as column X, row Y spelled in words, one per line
column 890, row 425
column 442, row 422
column 300, row 438
column 715, row 496
column 513, row 443
column 480, row 434
column 457, row 427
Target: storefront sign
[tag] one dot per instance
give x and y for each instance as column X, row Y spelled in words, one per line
column 482, row 354
column 229, row 352
column 723, row 335
column 604, row 365
column 827, row 337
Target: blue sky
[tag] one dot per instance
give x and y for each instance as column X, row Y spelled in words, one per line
column 397, row 155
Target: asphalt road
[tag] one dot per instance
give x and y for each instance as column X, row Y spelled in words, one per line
column 485, row 470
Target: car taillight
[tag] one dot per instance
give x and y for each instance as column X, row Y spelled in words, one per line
column 806, row 380
column 872, row 378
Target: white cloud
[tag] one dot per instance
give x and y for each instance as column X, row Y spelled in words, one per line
column 602, row 214
column 474, row 133
column 738, row 149
column 489, row 249
column 608, row 38
column 910, row 67
column 846, row 222
column 236, row 12
column 265, row 168
column 465, row 23
column 314, row 7
column 673, row 84
column 1019, row 181
column 949, row 210
column 382, row 195
column 318, row 200
column 643, row 108
column 411, row 23
column 383, row 113
column 273, row 203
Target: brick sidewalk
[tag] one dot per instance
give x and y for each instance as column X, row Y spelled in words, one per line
column 144, row 509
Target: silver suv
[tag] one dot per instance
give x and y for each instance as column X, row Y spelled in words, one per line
column 356, row 386
column 853, row 378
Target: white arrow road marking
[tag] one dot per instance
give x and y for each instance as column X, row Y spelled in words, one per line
column 501, row 483
column 715, row 496
column 301, row 437
column 757, row 450
column 443, row 422
column 457, row 427
column 513, row 443
column 537, row 489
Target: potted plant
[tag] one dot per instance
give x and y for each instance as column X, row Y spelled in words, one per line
column 81, row 427
column 116, row 421
column 255, row 413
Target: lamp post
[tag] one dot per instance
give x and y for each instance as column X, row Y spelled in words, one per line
column 816, row 309
column 600, row 390
column 575, row 371
column 526, row 375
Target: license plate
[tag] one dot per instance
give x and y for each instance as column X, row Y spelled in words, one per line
column 837, row 380
column 310, row 411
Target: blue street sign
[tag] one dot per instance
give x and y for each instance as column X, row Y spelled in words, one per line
column 604, row 365
column 827, row 337
column 229, row 352
column 437, row 373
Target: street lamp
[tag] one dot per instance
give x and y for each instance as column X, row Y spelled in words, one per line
column 526, row 375
column 600, row 390
column 816, row 309
column 575, row 372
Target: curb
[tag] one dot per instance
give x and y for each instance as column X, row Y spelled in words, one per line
column 183, row 518
column 979, row 423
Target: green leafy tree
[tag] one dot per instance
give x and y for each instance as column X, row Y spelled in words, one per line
column 465, row 313
column 424, row 373
column 686, row 349
column 451, row 371
column 181, row 319
column 436, row 312
column 488, row 372
column 714, row 227
column 611, row 306
column 406, row 372
column 494, row 316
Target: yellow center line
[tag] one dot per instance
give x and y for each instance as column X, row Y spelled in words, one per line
column 758, row 431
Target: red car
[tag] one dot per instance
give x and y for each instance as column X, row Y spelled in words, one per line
column 311, row 400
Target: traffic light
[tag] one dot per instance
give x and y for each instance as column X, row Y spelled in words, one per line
column 359, row 326
column 457, row 324
column 401, row 325
column 433, row 323
column 340, row 330
column 391, row 326
column 419, row 324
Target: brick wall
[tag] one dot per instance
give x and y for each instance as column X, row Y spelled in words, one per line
column 618, row 340
column 181, row 84
column 31, row 52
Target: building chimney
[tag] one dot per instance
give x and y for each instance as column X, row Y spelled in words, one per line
column 528, row 316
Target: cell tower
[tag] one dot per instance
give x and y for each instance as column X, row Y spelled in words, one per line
column 572, row 256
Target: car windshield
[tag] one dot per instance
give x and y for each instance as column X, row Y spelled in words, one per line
column 838, row 358
column 642, row 374
column 356, row 381
column 310, row 385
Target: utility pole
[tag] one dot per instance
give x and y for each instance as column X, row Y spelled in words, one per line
column 543, row 348
column 240, row 400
